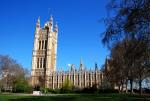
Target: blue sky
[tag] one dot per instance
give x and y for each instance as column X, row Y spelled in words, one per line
column 79, row 29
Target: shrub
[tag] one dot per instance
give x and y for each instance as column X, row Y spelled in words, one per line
column 146, row 90
column 90, row 90
column 108, row 91
column 22, row 88
column 49, row 90
column 67, row 87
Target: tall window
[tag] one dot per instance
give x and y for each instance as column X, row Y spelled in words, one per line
column 41, row 63
column 45, row 44
column 44, row 63
column 37, row 62
column 39, row 45
column 52, row 56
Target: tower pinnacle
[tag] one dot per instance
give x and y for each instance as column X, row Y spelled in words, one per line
column 96, row 67
column 51, row 20
column 81, row 64
column 38, row 22
column 56, row 27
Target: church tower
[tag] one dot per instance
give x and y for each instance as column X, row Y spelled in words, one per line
column 44, row 52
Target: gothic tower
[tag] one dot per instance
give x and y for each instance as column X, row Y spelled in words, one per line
column 44, row 51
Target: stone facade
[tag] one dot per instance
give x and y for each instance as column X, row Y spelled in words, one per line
column 44, row 62
column 44, row 51
column 80, row 79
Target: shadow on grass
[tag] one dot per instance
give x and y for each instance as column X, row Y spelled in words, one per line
column 63, row 98
column 105, row 97
column 44, row 98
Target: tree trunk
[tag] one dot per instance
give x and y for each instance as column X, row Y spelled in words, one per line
column 140, row 85
column 131, row 85
column 121, row 86
column 126, row 86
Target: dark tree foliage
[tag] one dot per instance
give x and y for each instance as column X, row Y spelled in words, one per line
column 128, row 19
column 128, row 37
column 129, row 60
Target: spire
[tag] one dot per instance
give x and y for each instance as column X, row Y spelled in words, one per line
column 81, row 64
column 96, row 67
column 56, row 27
column 72, row 67
column 51, row 20
column 38, row 22
column 51, row 23
column 106, row 60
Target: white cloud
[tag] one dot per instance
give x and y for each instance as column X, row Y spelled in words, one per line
column 69, row 65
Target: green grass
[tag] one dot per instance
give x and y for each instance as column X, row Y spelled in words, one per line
column 75, row 97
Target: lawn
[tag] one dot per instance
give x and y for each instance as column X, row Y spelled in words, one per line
column 74, row 97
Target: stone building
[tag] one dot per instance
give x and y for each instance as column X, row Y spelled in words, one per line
column 79, row 78
column 44, row 62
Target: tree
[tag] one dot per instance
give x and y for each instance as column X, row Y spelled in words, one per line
column 13, row 75
column 129, row 61
column 128, row 19
column 117, row 67
column 142, row 63
column 128, row 25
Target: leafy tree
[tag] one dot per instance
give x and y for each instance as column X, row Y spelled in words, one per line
column 13, row 75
